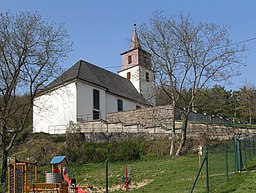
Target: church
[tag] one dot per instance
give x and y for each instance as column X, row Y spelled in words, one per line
column 86, row 92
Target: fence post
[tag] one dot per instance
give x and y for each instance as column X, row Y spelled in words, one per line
column 249, row 145
column 235, row 169
column 226, row 155
column 253, row 145
column 207, row 171
column 239, row 155
column 194, row 184
column 245, row 155
column 106, row 176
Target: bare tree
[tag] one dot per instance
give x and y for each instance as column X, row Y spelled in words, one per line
column 30, row 52
column 188, row 56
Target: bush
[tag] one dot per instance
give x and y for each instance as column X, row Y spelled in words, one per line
column 85, row 152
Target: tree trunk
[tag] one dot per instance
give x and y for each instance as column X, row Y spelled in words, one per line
column 173, row 139
column 4, row 166
column 183, row 135
column 4, row 155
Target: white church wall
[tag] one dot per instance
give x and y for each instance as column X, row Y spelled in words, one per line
column 85, row 101
column 111, row 103
column 54, row 110
column 134, row 76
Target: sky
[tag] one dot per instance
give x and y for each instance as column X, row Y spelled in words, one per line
column 101, row 29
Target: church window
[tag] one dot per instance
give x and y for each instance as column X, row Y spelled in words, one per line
column 129, row 59
column 96, row 115
column 119, row 105
column 128, row 75
column 96, row 104
column 96, row 99
column 147, row 76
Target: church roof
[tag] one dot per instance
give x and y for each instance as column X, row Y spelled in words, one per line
column 95, row 75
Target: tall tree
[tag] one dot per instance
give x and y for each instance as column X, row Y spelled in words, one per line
column 215, row 101
column 30, row 52
column 246, row 97
column 187, row 56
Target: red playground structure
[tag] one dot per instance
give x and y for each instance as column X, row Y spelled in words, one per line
column 23, row 178
column 60, row 168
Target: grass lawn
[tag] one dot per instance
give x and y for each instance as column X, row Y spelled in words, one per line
column 164, row 174
column 242, row 182
column 168, row 174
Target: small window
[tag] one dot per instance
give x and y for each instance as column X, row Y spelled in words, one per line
column 119, row 105
column 147, row 76
column 145, row 59
column 138, row 107
column 129, row 59
column 128, row 75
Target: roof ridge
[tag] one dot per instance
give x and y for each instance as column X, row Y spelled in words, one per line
column 78, row 71
column 116, row 74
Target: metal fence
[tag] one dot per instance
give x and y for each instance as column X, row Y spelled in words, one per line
column 222, row 161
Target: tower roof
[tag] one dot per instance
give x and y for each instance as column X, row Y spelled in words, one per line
column 135, row 43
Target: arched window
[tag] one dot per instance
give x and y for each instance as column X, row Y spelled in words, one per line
column 147, row 76
column 128, row 75
column 129, row 59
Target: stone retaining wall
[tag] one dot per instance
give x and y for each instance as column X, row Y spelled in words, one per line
column 160, row 116
column 153, row 121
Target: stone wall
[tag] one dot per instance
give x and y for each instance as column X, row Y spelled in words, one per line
column 152, row 117
column 149, row 122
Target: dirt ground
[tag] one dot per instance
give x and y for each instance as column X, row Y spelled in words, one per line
column 134, row 185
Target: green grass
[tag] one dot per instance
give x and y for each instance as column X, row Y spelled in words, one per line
column 171, row 174
column 165, row 174
column 241, row 182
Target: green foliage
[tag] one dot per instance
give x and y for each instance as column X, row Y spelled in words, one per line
column 215, row 101
column 86, row 152
column 126, row 150
column 3, row 187
column 40, row 147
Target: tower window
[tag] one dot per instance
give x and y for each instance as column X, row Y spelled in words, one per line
column 145, row 59
column 119, row 105
column 129, row 59
column 128, row 75
column 147, row 76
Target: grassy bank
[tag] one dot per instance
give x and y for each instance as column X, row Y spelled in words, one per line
column 150, row 167
column 166, row 175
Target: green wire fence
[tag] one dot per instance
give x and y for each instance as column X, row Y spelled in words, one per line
column 222, row 161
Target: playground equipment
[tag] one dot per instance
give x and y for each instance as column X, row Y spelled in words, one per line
column 126, row 180
column 23, row 178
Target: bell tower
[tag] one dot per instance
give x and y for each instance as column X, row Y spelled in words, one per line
column 136, row 66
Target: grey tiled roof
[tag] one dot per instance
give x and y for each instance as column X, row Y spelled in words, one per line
column 95, row 75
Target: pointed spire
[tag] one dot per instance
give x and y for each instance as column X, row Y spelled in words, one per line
column 135, row 40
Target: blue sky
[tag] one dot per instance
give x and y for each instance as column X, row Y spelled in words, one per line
column 100, row 30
